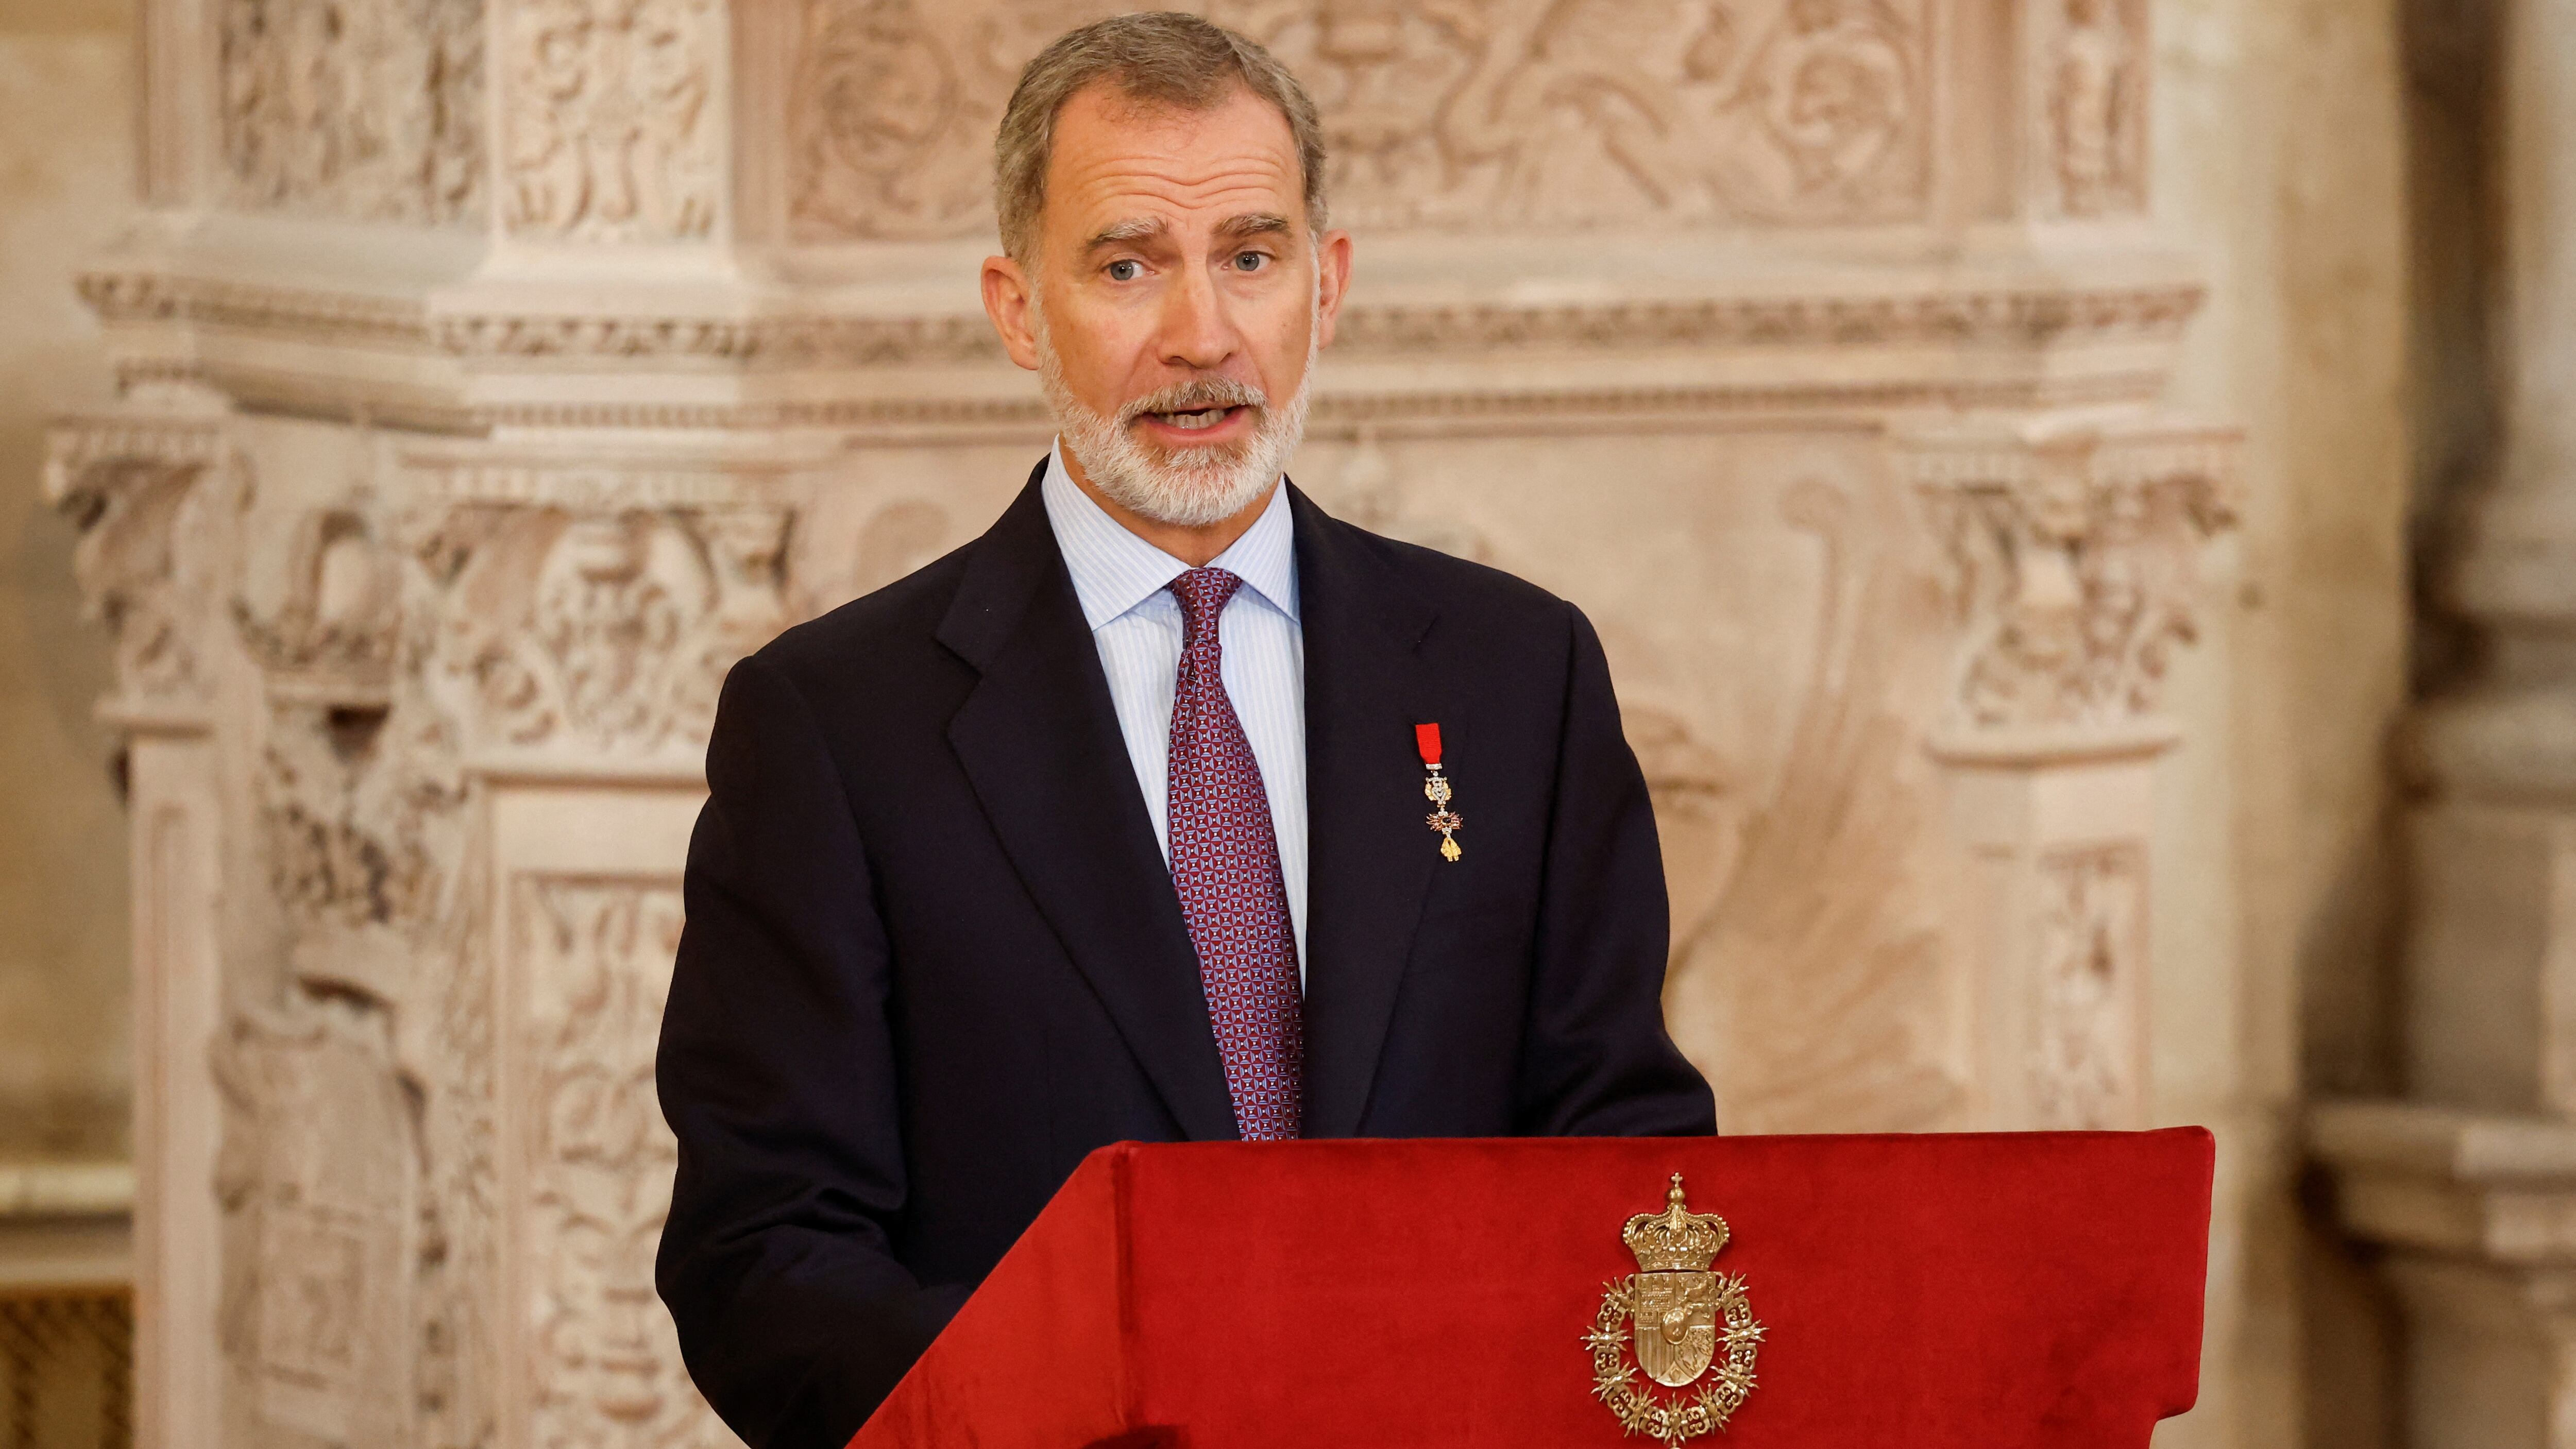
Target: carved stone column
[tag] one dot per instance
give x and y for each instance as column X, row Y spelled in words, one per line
column 2470, row 1183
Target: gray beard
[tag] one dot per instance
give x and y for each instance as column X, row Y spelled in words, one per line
column 1186, row 487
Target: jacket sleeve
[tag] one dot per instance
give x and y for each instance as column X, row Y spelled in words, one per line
column 1596, row 1061
column 776, row 1072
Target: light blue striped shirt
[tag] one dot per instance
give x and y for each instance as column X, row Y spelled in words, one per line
column 1123, row 582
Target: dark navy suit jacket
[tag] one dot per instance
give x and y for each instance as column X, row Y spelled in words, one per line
column 933, row 954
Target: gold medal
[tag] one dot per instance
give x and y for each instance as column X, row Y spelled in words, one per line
column 1435, row 788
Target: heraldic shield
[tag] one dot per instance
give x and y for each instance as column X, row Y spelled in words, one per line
column 1689, row 1327
column 1676, row 1325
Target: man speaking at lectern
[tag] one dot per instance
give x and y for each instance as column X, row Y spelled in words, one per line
column 1169, row 809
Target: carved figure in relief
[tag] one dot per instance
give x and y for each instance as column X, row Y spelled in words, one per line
column 2090, row 108
column 1835, row 90
column 367, row 111
column 1591, row 72
column 874, row 94
column 609, row 118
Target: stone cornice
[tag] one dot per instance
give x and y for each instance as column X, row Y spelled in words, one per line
column 142, row 297
column 948, row 416
column 2033, row 314
column 2493, row 1187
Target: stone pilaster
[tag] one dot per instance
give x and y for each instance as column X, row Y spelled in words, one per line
column 154, row 490
column 2073, row 551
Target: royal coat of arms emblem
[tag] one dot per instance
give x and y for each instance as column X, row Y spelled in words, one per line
column 1676, row 1322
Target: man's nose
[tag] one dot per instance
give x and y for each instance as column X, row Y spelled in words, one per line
column 1197, row 332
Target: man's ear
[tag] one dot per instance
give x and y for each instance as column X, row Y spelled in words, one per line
column 1332, row 281
column 1008, row 296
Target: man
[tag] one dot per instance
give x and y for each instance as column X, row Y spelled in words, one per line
column 1112, row 824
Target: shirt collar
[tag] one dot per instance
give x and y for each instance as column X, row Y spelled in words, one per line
column 1114, row 570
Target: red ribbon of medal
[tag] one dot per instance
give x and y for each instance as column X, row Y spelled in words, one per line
column 1435, row 788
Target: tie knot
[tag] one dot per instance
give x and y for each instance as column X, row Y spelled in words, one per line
column 1203, row 593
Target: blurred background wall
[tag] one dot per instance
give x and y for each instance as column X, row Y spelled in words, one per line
column 66, row 189
column 67, row 109
column 2320, row 172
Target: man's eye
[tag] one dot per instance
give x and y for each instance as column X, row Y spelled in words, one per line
column 1250, row 261
column 1126, row 270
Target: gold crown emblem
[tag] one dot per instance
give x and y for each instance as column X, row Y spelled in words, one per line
column 1675, row 1240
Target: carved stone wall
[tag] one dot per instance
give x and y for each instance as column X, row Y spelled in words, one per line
column 1812, row 346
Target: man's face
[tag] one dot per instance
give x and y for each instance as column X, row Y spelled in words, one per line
column 1177, row 302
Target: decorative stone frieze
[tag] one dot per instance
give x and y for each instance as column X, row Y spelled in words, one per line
column 1520, row 113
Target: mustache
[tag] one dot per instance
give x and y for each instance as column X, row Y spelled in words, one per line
column 1195, row 395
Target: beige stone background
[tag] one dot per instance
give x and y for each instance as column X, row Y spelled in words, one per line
column 2327, row 166
column 67, row 179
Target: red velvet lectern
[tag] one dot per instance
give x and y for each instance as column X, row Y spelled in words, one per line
column 1982, row 1292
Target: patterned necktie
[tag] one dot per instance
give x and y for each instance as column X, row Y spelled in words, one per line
column 1225, row 864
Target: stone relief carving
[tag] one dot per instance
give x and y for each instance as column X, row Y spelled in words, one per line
column 607, row 631
column 367, row 112
column 2095, row 112
column 2076, row 568
column 894, row 103
column 594, row 961
column 1814, row 1009
column 610, row 118
column 1536, row 113
column 135, row 487
column 319, row 1181
column 2092, row 923
column 358, row 821
column 336, row 629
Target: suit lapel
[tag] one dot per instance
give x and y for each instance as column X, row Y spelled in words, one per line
column 1039, row 741
column 1371, row 860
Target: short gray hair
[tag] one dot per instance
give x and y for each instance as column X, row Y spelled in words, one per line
column 1158, row 58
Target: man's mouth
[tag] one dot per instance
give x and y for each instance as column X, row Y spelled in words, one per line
column 1191, row 422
